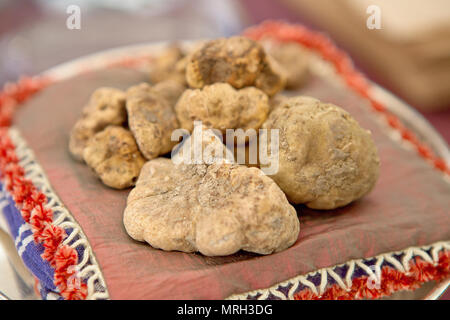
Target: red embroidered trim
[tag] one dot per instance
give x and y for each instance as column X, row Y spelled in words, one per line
column 392, row 281
column 318, row 42
column 13, row 94
column 30, row 201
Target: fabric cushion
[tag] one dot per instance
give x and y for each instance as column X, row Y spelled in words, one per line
column 408, row 207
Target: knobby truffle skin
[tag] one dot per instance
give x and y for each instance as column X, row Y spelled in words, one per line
column 170, row 90
column 294, row 59
column 239, row 61
column 273, row 77
column 248, row 153
column 168, row 66
column 114, row 157
column 151, row 119
column 222, row 107
column 326, row 160
column 105, row 107
column 215, row 208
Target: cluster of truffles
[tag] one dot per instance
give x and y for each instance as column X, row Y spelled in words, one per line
column 118, row 130
column 220, row 205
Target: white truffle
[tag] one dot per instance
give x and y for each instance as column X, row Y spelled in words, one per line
column 222, row 107
column 151, row 119
column 216, row 208
column 239, row 61
column 326, row 160
column 114, row 157
column 106, row 107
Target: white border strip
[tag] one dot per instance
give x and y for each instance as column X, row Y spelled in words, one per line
column 88, row 266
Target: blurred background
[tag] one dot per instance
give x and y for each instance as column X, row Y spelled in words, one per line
column 409, row 55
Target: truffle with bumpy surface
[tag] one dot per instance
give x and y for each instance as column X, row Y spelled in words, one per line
column 106, row 107
column 222, row 107
column 164, row 66
column 326, row 160
column 239, row 61
column 215, row 207
column 114, row 157
column 294, row 59
column 151, row 119
column 170, row 90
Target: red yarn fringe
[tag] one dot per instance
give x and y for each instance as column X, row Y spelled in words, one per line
column 30, row 201
column 392, row 281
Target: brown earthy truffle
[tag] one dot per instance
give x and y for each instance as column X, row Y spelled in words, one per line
column 114, row 156
column 151, row 120
column 276, row 101
column 216, row 208
column 204, row 145
column 326, row 160
column 272, row 78
column 222, row 107
column 254, row 108
column 166, row 67
column 170, row 90
column 294, row 59
column 105, row 107
column 247, row 153
column 239, row 61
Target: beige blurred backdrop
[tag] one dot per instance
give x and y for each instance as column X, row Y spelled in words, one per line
column 411, row 51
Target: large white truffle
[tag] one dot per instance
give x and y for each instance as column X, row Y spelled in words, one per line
column 239, row 61
column 326, row 160
column 216, row 208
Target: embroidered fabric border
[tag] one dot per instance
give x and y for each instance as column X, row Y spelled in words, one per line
column 87, row 268
column 363, row 278
column 77, row 274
